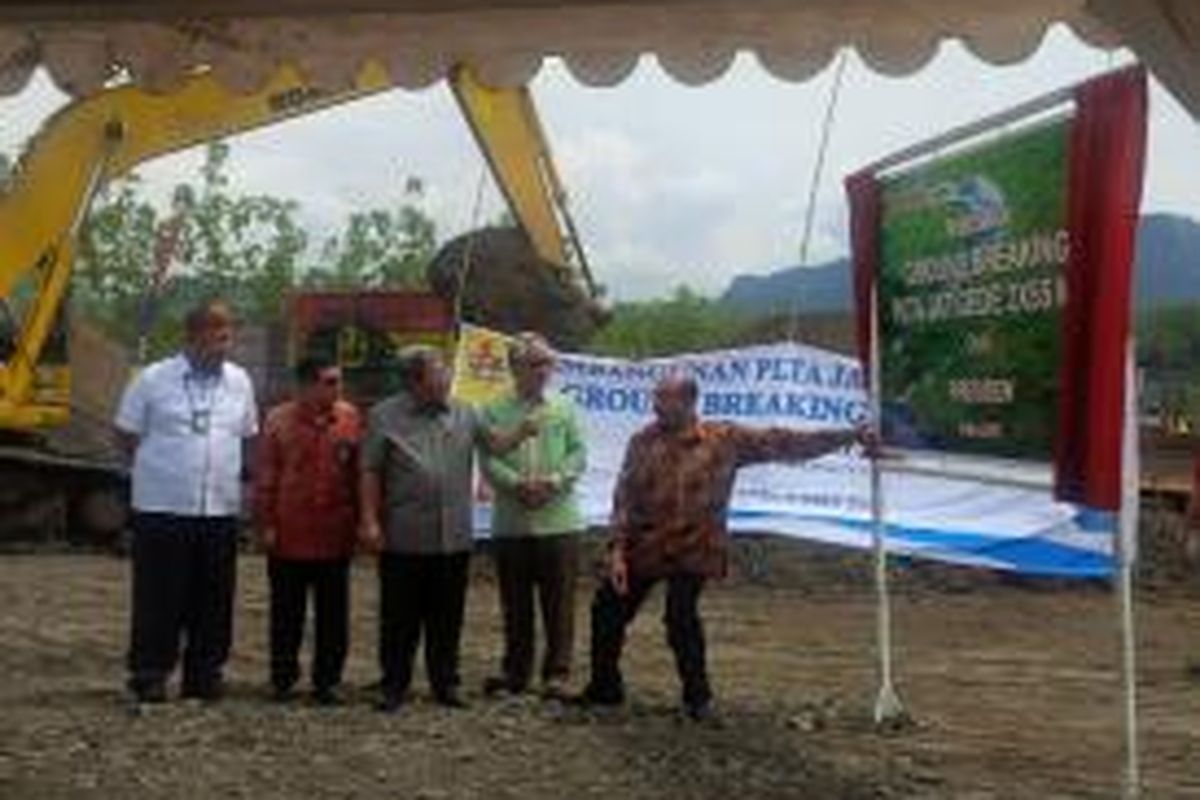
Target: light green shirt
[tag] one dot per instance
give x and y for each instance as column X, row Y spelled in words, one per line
column 557, row 453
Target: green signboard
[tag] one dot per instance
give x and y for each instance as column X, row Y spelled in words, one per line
column 970, row 297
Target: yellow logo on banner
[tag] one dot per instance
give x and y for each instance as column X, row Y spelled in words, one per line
column 481, row 366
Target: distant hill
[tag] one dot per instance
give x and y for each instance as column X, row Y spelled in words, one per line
column 805, row 290
column 1168, row 265
column 1168, row 273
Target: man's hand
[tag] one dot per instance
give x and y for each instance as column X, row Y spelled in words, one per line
column 498, row 442
column 128, row 442
column 536, row 492
column 1191, row 545
column 267, row 538
column 529, row 427
column 1191, row 542
column 370, row 536
column 865, row 436
column 618, row 571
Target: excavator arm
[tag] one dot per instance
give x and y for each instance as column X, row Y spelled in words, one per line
column 509, row 133
column 104, row 136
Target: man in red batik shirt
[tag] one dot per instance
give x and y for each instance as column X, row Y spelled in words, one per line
column 669, row 524
column 307, row 510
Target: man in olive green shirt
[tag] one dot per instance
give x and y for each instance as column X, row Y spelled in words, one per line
column 536, row 519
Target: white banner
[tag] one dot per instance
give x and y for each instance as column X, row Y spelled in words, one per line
column 957, row 520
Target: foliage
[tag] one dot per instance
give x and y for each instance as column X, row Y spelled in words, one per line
column 380, row 247
column 1169, row 339
column 1169, row 356
column 243, row 247
column 116, row 244
column 687, row 322
column 250, row 249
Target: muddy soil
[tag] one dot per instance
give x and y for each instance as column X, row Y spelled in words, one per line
column 1013, row 687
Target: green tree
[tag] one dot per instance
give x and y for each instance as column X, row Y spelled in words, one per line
column 686, row 322
column 380, row 248
column 248, row 248
column 244, row 247
column 116, row 246
column 1168, row 342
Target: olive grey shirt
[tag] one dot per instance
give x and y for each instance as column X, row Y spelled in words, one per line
column 425, row 461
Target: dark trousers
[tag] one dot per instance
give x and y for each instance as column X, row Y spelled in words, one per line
column 421, row 595
column 291, row 584
column 546, row 565
column 612, row 613
column 184, row 571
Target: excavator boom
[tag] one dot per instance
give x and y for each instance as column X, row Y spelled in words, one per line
column 509, row 133
column 104, row 136
column 51, row 182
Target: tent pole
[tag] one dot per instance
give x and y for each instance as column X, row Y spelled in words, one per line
column 1126, row 561
column 888, row 708
column 1132, row 778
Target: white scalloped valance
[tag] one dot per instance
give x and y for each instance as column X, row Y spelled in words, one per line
column 694, row 40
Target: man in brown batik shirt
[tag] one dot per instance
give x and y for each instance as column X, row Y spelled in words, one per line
column 669, row 523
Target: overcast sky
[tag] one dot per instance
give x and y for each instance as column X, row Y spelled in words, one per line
column 668, row 183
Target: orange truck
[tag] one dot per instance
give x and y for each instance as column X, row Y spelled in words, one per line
column 361, row 330
column 364, row 331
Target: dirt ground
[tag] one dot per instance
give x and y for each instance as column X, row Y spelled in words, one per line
column 1013, row 686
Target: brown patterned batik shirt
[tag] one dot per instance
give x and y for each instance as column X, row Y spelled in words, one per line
column 672, row 496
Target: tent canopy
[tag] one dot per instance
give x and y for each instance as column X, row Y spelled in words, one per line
column 158, row 42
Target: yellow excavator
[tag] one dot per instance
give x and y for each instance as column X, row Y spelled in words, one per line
column 104, row 136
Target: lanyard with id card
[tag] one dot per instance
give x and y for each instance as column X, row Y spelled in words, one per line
column 201, row 391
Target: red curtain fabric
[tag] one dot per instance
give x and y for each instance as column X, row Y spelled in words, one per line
column 866, row 211
column 1108, row 146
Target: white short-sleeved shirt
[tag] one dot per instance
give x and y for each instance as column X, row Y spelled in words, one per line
column 190, row 427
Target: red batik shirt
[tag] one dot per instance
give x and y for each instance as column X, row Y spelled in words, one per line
column 672, row 497
column 306, row 480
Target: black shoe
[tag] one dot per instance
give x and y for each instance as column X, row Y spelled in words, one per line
column 591, row 696
column 555, row 689
column 390, row 703
column 449, row 698
column 209, row 691
column 499, row 684
column 703, row 713
column 326, row 696
column 150, row 693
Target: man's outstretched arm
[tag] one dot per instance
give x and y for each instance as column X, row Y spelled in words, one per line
column 763, row 445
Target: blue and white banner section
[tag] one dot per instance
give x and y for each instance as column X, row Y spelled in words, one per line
column 957, row 520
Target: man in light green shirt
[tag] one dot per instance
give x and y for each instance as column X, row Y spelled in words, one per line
column 536, row 520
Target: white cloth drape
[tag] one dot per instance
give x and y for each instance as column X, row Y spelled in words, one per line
column 694, row 40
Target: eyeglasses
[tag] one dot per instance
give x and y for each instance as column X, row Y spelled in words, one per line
column 331, row 381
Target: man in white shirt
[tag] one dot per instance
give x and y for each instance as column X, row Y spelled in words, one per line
column 184, row 421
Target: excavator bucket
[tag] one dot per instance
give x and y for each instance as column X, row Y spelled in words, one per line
column 496, row 278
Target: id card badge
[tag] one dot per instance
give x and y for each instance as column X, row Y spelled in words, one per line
column 201, row 418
